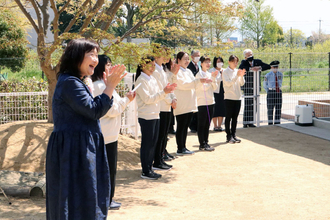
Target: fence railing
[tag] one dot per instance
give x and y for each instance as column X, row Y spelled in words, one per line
column 19, row 106
column 23, row 106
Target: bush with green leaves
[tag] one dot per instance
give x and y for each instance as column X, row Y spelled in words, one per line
column 13, row 43
column 24, row 85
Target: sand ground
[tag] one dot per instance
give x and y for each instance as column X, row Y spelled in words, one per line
column 274, row 173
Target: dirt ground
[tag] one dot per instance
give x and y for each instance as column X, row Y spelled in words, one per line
column 274, row 173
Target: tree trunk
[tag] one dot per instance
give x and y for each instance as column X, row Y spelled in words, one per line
column 51, row 77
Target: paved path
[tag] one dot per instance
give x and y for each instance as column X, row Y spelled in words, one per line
column 274, row 173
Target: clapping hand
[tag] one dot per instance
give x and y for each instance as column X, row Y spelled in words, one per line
column 170, row 88
column 175, row 68
column 215, row 73
column 241, row 72
column 205, row 80
column 117, row 73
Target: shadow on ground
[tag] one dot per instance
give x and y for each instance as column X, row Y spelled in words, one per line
column 283, row 140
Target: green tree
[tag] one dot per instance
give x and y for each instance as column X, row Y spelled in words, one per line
column 272, row 34
column 94, row 19
column 13, row 42
column 294, row 37
column 255, row 19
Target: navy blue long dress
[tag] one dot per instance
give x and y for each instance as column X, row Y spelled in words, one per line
column 77, row 172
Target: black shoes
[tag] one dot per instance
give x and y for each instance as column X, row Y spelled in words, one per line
column 233, row 140
column 249, row 126
column 218, row 129
column 184, row 151
column 151, row 175
column 162, row 166
column 206, row 147
column 114, row 205
column 230, row 141
column 168, row 157
column 193, row 131
column 172, row 131
column 237, row 140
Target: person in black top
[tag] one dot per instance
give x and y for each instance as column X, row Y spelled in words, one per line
column 193, row 66
column 250, row 64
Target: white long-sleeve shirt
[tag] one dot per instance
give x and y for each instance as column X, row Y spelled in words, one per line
column 148, row 96
column 162, row 77
column 185, row 92
column 218, row 78
column 232, row 84
column 111, row 121
column 204, row 91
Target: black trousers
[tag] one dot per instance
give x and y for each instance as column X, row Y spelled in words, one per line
column 172, row 120
column 274, row 100
column 248, row 110
column 182, row 123
column 164, row 124
column 194, row 122
column 204, row 118
column 112, row 153
column 149, row 133
column 232, row 110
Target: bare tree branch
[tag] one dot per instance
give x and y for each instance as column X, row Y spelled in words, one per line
column 56, row 19
column 28, row 16
column 44, row 10
column 111, row 12
column 73, row 21
column 64, row 6
column 39, row 19
column 91, row 14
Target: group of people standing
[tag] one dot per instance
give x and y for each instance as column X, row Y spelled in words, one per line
column 81, row 160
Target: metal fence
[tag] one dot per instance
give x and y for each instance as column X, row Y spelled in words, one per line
column 22, row 106
column 298, row 89
column 19, row 106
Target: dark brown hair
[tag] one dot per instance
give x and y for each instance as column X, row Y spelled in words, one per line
column 232, row 58
column 100, row 68
column 180, row 55
column 204, row 58
column 74, row 55
column 144, row 60
column 215, row 60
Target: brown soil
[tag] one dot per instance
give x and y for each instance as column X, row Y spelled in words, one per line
column 273, row 174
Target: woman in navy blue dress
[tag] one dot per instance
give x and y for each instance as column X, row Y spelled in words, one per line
column 77, row 172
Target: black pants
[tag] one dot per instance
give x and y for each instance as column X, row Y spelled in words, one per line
column 194, row 122
column 248, row 110
column 204, row 117
column 149, row 133
column 182, row 123
column 274, row 100
column 172, row 121
column 112, row 153
column 164, row 124
column 232, row 111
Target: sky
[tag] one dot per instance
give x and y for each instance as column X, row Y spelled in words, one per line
column 299, row 14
